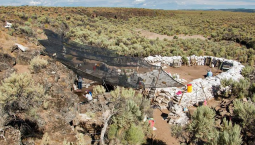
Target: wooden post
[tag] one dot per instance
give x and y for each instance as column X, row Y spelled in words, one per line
column 204, row 92
column 181, row 98
column 157, row 77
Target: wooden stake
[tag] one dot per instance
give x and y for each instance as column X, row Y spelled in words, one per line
column 181, row 98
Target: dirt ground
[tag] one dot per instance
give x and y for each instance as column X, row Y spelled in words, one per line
column 163, row 132
column 22, row 68
column 211, row 103
column 190, row 73
column 151, row 35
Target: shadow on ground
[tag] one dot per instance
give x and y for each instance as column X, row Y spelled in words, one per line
column 151, row 141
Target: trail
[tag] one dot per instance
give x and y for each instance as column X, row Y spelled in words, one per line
column 151, row 35
column 163, row 132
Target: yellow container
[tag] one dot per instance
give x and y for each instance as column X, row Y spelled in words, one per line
column 189, row 88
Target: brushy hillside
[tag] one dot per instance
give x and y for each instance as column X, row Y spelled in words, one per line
column 43, row 108
column 230, row 34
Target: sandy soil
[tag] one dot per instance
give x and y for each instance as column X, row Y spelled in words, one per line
column 163, row 132
column 190, row 73
column 22, row 68
column 151, row 35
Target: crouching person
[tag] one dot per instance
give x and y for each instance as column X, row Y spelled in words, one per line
column 88, row 97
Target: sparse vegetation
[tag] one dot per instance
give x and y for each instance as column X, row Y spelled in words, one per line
column 98, row 90
column 20, row 89
column 227, row 34
column 37, row 63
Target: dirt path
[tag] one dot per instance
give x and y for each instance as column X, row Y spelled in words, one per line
column 190, row 73
column 163, row 132
column 151, row 35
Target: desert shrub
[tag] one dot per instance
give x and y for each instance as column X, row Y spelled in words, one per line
column 116, row 93
column 19, row 92
column 253, row 98
column 22, row 16
column 126, row 125
column 15, row 26
column 202, row 126
column 43, row 20
column 247, row 70
column 27, row 30
column 185, row 60
column 37, row 63
column 112, row 131
column 246, row 113
column 135, row 135
column 238, row 89
column 176, row 130
column 98, row 90
column 11, row 32
column 27, row 23
column 230, row 134
column 127, row 93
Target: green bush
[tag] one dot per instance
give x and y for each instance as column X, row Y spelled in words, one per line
column 27, row 30
column 21, row 90
column 238, row 89
column 98, row 90
column 229, row 134
column 176, row 130
column 27, row 23
column 246, row 113
column 253, row 98
column 202, row 126
column 37, row 63
column 175, row 37
column 112, row 131
column 247, row 70
column 43, row 20
column 135, row 135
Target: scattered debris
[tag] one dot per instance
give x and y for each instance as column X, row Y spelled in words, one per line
column 8, row 25
column 21, row 47
column 177, row 116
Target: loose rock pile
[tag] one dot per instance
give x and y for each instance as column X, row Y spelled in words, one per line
column 177, row 116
